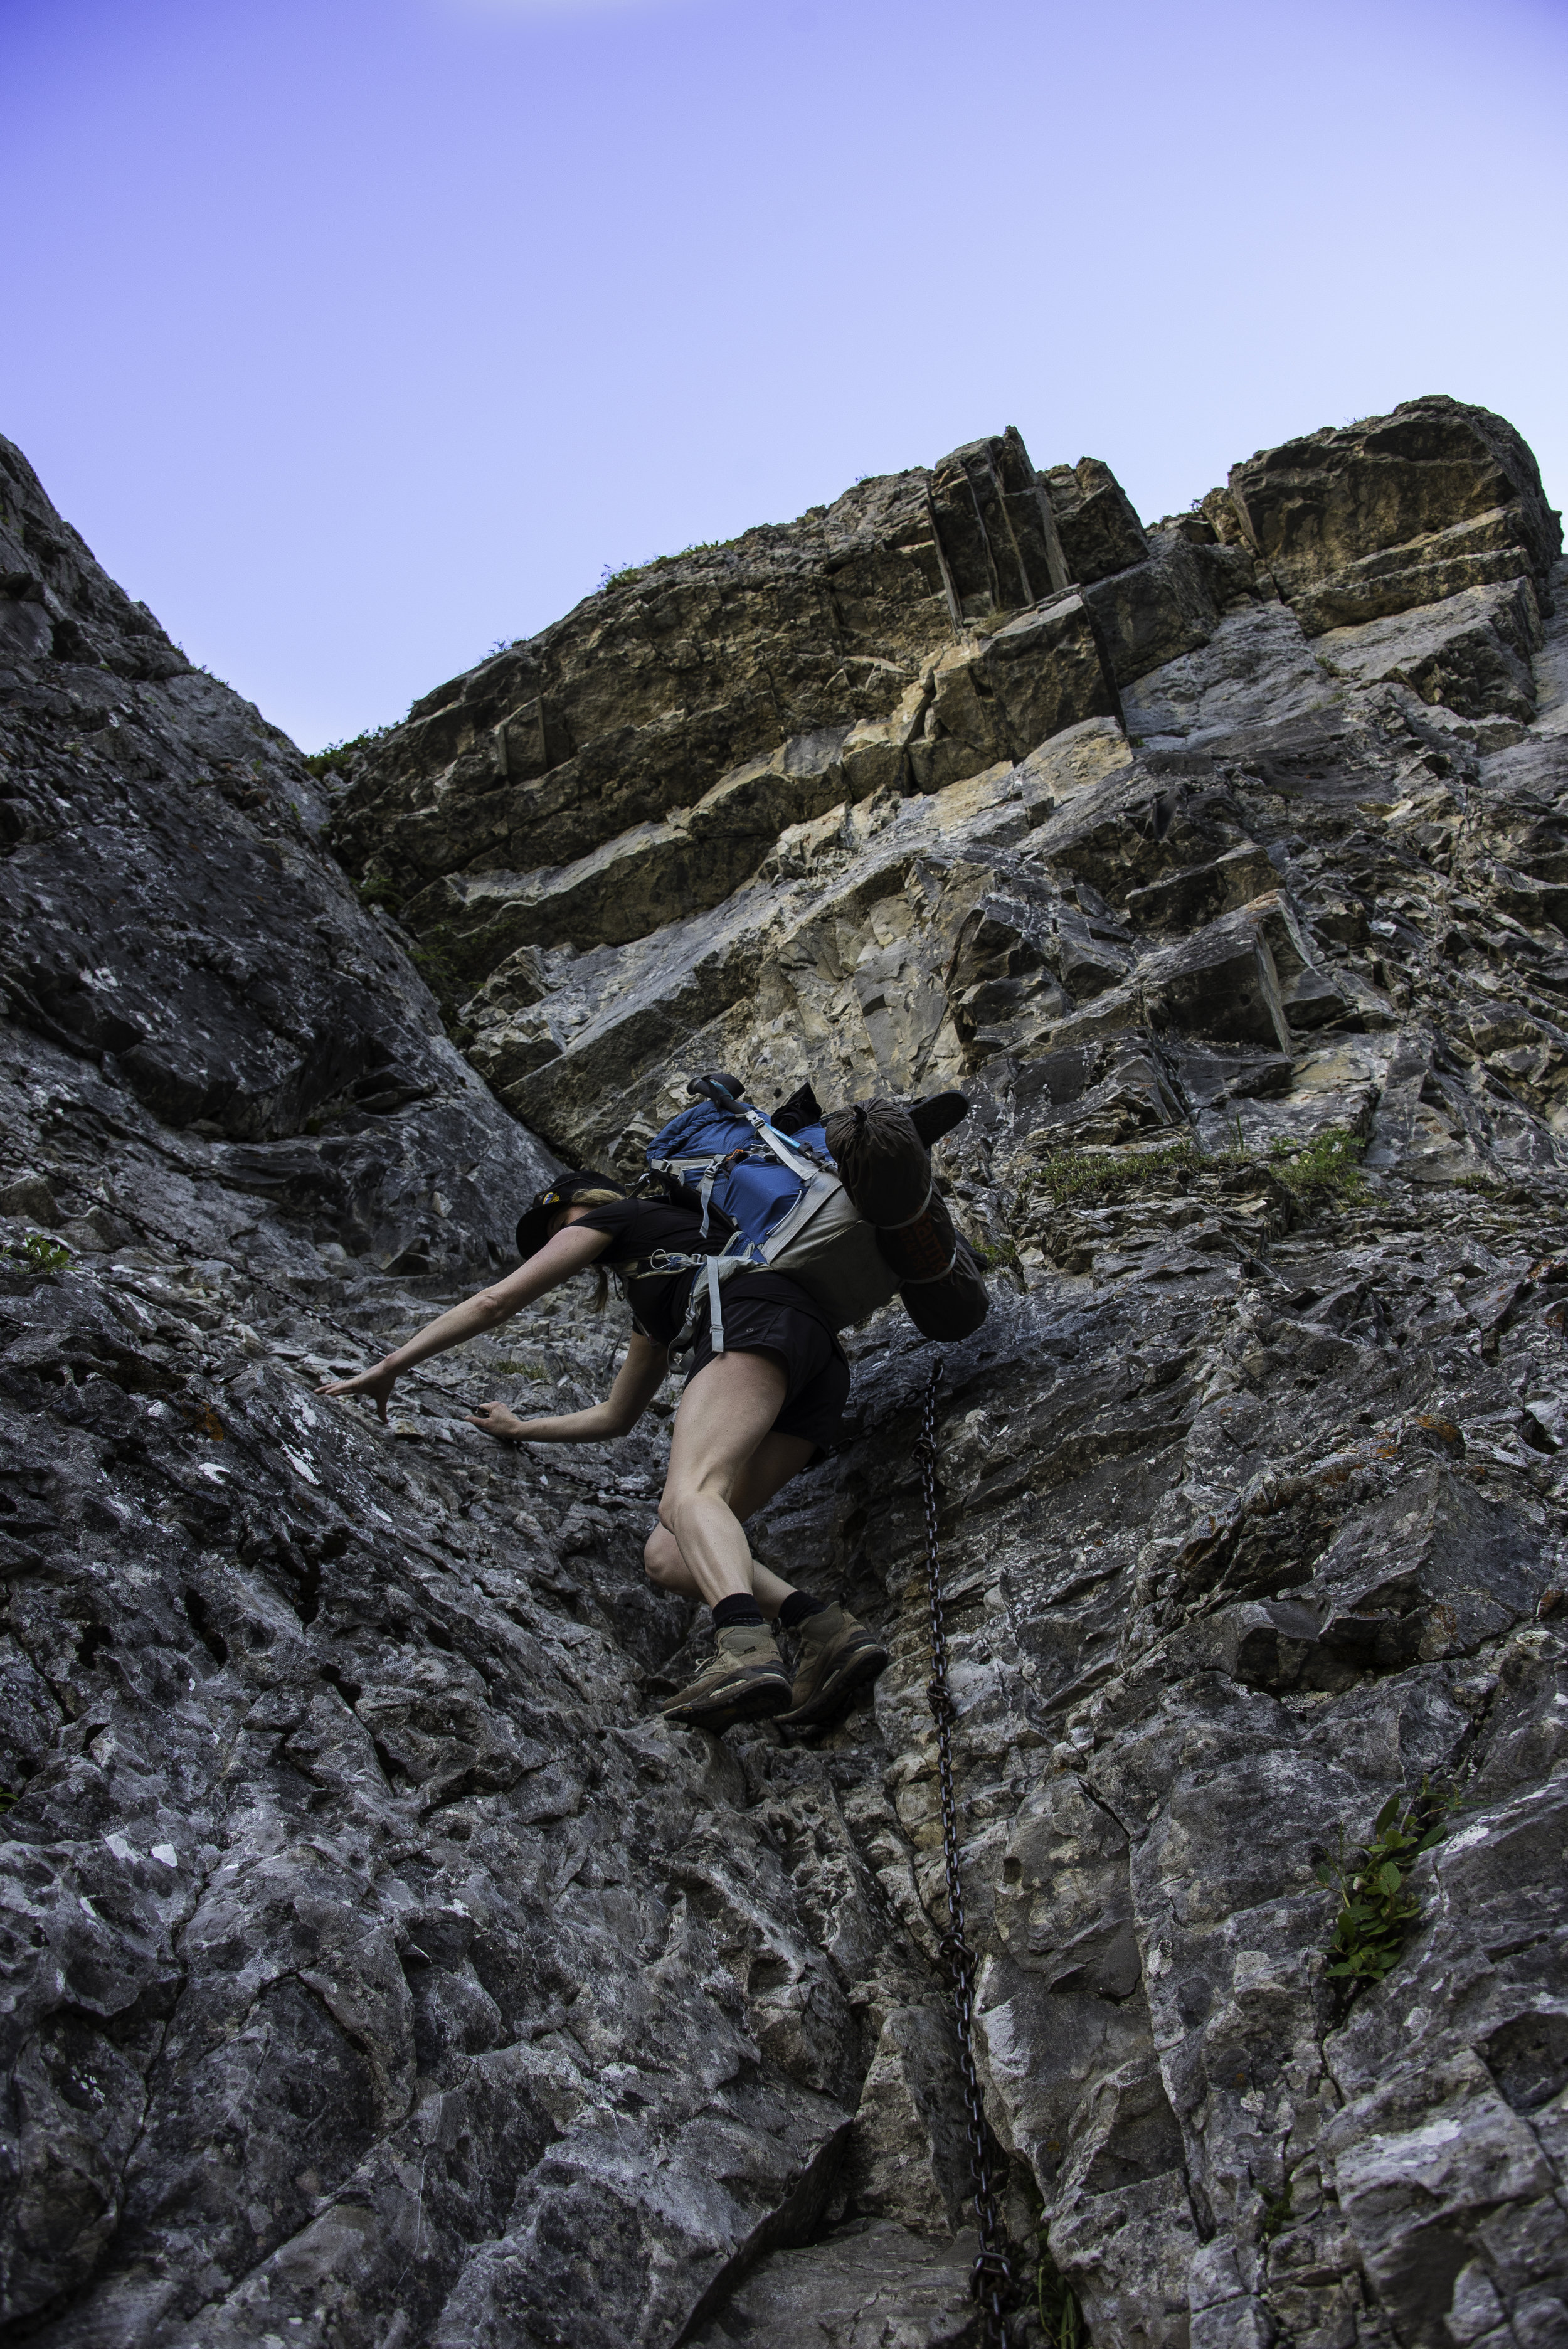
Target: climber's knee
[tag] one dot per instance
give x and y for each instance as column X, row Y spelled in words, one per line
column 662, row 1558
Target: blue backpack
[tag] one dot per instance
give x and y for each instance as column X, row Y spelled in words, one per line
column 784, row 1203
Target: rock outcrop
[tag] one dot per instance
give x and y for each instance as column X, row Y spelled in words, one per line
column 378, row 1968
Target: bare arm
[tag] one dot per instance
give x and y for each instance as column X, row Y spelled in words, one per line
column 556, row 1261
column 637, row 1381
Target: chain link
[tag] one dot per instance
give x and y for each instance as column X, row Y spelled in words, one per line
column 990, row 2279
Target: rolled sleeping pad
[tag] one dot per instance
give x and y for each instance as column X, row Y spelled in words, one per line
column 887, row 1169
column 939, row 1280
column 881, row 1161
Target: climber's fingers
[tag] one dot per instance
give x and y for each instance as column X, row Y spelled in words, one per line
column 376, row 1383
column 496, row 1420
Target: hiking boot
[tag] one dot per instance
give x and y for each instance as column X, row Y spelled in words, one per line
column 746, row 1681
column 937, row 1115
column 839, row 1657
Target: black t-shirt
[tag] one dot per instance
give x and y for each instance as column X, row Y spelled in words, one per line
column 638, row 1227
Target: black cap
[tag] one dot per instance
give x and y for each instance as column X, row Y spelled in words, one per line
column 533, row 1228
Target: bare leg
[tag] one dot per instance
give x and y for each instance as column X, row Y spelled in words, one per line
column 725, row 1415
column 776, row 1459
column 668, row 1568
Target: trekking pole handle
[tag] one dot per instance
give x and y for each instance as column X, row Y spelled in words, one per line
column 712, row 1088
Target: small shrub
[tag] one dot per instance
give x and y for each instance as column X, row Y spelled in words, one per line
column 379, row 891
column 1278, row 2214
column 539, row 1373
column 1377, row 1908
column 40, row 1253
column 336, row 754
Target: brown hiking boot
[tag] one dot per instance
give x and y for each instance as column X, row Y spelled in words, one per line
column 746, row 1681
column 839, row 1657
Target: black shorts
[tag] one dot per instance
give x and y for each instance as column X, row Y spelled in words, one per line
column 817, row 1372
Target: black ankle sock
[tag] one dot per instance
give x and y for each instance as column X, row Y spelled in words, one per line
column 797, row 1606
column 740, row 1613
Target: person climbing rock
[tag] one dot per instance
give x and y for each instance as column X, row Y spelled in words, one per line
column 750, row 1419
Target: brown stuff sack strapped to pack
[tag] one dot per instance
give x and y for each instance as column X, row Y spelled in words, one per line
column 885, row 1167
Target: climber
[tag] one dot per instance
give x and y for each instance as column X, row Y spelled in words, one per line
column 750, row 1419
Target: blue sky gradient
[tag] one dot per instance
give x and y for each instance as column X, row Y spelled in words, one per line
column 356, row 335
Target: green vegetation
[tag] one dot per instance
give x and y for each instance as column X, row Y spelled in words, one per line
column 38, row 1252
column 1061, row 2318
column 622, row 578
column 337, row 754
column 991, row 1254
column 1278, row 2214
column 539, row 1373
column 1100, row 1173
column 1326, row 1167
column 434, row 967
column 7, row 1799
column 1321, row 1169
column 379, row 891
column 1377, row 1908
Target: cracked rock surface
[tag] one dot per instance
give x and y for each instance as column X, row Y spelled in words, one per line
column 378, row 1970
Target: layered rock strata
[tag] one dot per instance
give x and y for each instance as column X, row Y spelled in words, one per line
column 377, row 1968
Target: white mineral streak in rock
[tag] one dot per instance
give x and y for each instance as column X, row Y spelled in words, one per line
column 459, row 2001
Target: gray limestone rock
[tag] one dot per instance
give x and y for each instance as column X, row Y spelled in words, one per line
column 376, row 1968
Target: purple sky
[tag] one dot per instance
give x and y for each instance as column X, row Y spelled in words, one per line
column 355, row 335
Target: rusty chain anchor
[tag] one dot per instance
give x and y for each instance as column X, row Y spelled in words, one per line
column 991, row 2277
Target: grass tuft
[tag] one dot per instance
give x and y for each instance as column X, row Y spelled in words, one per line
column 1056, row 2303
column 624, row 577
column 1328, row 1166
column 1325, row 1168
column 989, row 1254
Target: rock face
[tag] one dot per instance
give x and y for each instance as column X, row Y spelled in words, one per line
column 378, row 1970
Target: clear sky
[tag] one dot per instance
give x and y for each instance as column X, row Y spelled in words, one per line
column 357, row 335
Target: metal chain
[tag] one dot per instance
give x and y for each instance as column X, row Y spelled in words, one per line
column 990, row 2279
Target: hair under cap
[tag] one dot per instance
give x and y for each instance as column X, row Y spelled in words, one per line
column 533, row 1227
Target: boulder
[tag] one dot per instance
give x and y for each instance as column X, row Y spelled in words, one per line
column 1154, row 612
column 1396, row 511
column 1000, row 694
column 1099, row 532
column 1473, row 652
column 997, row 531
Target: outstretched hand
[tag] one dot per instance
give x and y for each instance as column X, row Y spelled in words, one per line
column 496, row 1420
column 377, row 1384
